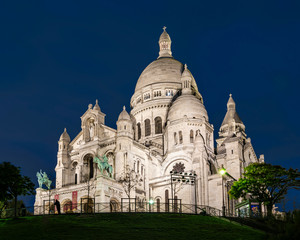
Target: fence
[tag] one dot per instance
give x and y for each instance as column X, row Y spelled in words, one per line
column 113, row 207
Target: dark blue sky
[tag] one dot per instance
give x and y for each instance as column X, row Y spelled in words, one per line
column 56, row 57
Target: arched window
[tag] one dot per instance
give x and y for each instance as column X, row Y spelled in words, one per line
column 175, row 138
column 89, row 164
column 158, row 125
column 139, row 132
column 180, row 137
column 91, row 167
column 158, row 204
column 167, row 200
column 191, row 136
column 75, row 178
column 147, row 128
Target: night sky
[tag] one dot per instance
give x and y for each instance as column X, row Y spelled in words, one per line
column 56, row 57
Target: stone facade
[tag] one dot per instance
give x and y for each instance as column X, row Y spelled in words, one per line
column 167, row 129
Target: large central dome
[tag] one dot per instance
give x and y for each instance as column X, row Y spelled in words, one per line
column 162, row 70
column 165, row 69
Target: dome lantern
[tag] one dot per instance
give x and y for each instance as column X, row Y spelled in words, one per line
column 186, row 80
column 65, row 136
column 164, row 44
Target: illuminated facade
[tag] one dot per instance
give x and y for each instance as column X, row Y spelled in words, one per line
column 167, row 129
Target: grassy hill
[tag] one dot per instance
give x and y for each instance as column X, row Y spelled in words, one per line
column 125, row 226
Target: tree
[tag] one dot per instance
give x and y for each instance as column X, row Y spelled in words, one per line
column 13, row 184
column 265, row 183
column 129, row 180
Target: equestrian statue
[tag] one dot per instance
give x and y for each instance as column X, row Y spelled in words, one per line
column 103, row 164
column 43, row 179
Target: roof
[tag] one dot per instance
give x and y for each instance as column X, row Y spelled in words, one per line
column 124, row 115
column 65, row 136
column 231, row 113
column 163, row 70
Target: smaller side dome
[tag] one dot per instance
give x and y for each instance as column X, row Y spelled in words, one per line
column 186, row 79
column 189, row 106
column 65, row 136
column 96, row 107
column 124, row 115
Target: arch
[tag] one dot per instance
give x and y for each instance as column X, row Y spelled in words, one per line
column 157, row 205
column 87, row 204
column 180, row 137
column 181, row 158
column 175, row 138
column 66, row 205
column 89, row 163
column 139, row 131
column 111, row 160
column 147, row 127
column 158, row 125
column 114, row 205
column 75, row 178
column 167, row 200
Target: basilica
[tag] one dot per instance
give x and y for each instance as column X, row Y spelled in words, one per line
column 163, row 139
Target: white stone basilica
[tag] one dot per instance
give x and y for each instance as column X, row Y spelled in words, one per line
column 167, row 129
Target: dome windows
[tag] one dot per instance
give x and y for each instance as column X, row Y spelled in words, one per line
column 157, row 93
column 165, row 45
column 146, row 96
column 147, row 128
column 158, row 125
column 180, row 137
column 169, row 93
column 139, row 131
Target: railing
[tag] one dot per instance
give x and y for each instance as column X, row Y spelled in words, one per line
column 113, row 207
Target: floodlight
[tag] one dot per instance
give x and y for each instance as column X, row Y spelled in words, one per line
column 222, row 171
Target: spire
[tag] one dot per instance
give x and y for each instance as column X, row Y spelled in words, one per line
column 231, row 115
column 96, row 107
column 164, row 44
column 232, row 125
column 186, row 81
column 230, row 103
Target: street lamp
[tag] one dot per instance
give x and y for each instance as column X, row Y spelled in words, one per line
column 222, row 171
column 184, row 177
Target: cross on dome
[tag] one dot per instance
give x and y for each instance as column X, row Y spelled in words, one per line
column 164, row 28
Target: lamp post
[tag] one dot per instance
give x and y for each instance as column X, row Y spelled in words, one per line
column 223, row 172
column 184, row 177
column 151, row 202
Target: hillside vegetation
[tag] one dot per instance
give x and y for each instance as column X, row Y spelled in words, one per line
column 125, row 226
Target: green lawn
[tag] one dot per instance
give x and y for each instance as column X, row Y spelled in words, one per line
column 125, row 226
